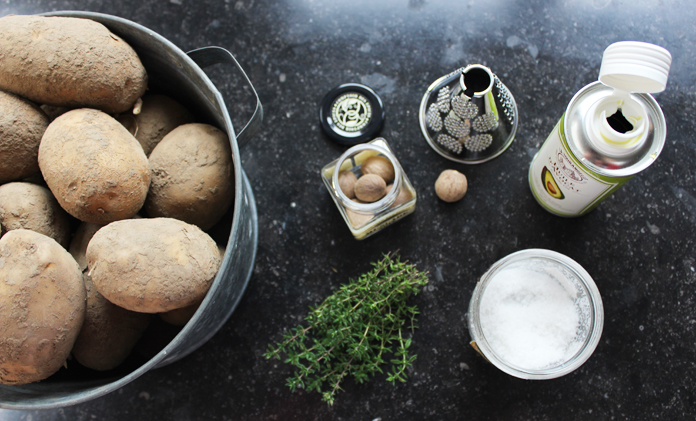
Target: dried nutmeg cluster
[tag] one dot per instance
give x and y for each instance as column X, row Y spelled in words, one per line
column 372, row 185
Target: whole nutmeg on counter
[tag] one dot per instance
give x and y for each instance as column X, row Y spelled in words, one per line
column 379, row 165
column 370, row 188
column 451, row 186
column 346, row 182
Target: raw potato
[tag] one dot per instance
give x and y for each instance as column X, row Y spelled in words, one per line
column 53, row 112
column 180, row 316
column 152, row 265
column 159, row 115
column 94, row 167
column 192, row 177
column 33, row 207
column 42, row 306
column 109, row 332
column 78, row 245
column 69, row 62
column 21, row 126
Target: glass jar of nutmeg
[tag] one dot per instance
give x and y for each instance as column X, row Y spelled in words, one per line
column 369, row 188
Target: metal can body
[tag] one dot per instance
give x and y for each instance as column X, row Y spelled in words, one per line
column 568, row 177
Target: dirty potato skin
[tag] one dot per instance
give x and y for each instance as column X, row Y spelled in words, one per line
column 21, row 126
column 78, row 246
column 33, row 207
column 94, row 166
column 69, row 62
column 159, row 115
column 152, row 265
column 42, row 306
column 191, row 170
column 109, row 332
column 181, row 316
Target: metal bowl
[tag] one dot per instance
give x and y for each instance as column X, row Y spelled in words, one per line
column 179, row 75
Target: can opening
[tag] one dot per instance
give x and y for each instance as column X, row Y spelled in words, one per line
column 618, row 122
column 616, row 125
column 476, row 80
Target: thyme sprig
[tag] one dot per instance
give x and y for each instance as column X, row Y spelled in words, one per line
column 354, row 330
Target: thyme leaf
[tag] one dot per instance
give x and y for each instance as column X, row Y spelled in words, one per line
column 352, row 333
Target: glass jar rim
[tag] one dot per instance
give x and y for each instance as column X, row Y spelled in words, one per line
column 380, row 204
column 594, row 331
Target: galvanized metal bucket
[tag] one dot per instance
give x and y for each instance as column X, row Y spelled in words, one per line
column 180, row 75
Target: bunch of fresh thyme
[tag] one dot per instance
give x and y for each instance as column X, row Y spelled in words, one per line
column 354, row 330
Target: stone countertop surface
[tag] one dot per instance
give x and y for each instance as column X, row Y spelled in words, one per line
column 638, row 245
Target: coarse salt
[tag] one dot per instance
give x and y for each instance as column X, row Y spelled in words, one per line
column 529, row 318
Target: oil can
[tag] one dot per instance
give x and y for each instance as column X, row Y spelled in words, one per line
column 611, row 130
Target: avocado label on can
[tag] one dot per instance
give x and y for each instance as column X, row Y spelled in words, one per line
column 561, row 184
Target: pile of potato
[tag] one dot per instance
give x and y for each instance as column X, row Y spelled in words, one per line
column 103, row 205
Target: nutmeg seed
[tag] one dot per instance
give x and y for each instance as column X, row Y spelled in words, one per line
column 403, row 196
column 356, row 219
column 380, row 166
column 370, row 188
column 346, row 182
column 451, row 186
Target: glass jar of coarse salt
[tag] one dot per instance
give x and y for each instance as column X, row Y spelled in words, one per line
column 536, row 314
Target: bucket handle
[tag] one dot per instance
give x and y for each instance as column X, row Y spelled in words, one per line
column 207, row 56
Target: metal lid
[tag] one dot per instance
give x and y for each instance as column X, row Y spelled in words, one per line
column 351, row 113
column 468, row 116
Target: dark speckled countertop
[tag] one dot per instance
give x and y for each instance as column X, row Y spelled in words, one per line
column 638, row 245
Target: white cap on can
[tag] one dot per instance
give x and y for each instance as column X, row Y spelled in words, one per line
column 634, row 66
